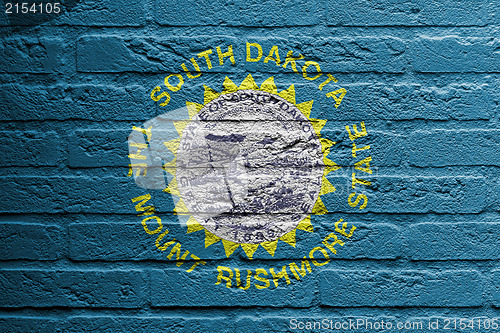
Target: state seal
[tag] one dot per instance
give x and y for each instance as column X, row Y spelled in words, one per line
column 249, row 154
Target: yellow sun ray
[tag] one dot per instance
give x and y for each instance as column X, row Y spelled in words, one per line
column 330, row 163
column 317, row 124
column 209, row 94
column 170, row 167
column 326, row 187
column 171, row 171
column 319, row 208
column 180, row 208
column 193, row 108
column 193, row 225
column 326, row 145
column 269, row 86
column 250, row 249
column 305, row 225
column 270, row 246
column 289, row 238
column 288, row 94
column 305, row 108
column 248, row 83
column 171, row 164
column 329, row 166
column 229, row 247
column 229, row 86
column 173, row 188
column 180, row 125
column 210, row 238
column 173, row 145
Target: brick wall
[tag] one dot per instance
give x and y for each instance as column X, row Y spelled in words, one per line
column 422, row 76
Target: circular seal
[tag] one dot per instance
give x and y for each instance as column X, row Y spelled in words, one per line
column 233, row 174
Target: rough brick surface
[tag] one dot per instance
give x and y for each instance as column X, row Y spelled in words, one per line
column 32, row 148
column 70, row 194
column 94, row 148
column 495, row 278
column 105, row 13
column 469, row 241
column 138, row 54
column 109, row 324
column 32, row 241
column 112, row 288
column 239, row 13
column 396, row 13
column 31, row 55
column 401, row 288
column 454, row 54
column 471, row 147
column 29, row 324
column 95, row 102
column 112, row 241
